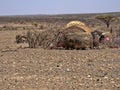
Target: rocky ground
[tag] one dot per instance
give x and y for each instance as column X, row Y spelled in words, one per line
column 38, row 69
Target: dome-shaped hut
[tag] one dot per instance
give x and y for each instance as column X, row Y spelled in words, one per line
column 77, row 36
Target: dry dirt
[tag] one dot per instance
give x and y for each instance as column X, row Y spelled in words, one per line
column 37, row 69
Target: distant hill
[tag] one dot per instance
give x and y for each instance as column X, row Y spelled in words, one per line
column 52, row 18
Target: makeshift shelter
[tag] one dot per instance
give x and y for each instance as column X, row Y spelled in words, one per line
column 77, row 36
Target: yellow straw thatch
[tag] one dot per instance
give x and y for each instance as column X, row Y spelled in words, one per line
column 75, row 23
column 78, row 24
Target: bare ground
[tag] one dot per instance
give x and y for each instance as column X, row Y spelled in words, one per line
column 38, row 69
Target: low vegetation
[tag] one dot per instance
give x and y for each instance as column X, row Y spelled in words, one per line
column 43, row 28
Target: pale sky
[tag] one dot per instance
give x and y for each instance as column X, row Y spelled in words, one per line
column 22, row 7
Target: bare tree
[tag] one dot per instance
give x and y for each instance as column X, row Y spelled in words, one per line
column 107, row 19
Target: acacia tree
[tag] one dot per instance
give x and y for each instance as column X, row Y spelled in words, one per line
column 107, row 19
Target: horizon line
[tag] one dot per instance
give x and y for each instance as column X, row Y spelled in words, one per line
column 59, row 14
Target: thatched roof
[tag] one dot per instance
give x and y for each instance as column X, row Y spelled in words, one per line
column 80, row 26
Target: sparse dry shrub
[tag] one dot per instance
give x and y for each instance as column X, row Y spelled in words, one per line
column 45, row 39
column 5, row 27
column 50, row 39
column 115, row 42
column 32, row 38
column 41, row 27
column 18, row 38
column 1, row 28
column 116, row 37
column 24, row 28
column 21, row 38
column 22, row 22
column 35, row 24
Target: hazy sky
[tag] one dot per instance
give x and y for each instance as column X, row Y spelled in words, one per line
column 21, row 7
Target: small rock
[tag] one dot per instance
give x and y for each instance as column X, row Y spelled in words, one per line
column 88, row 76
column 68, row 69
column 105, row 77
column 113, row 82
